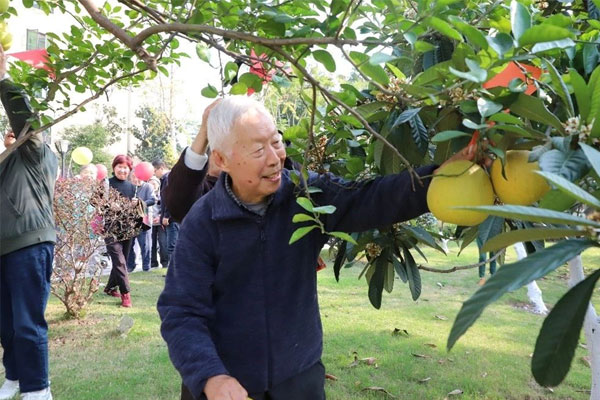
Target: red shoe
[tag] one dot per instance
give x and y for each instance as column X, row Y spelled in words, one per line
column 112, row 292
column 126, row 300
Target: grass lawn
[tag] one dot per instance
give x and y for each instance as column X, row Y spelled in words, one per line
column 89, row 360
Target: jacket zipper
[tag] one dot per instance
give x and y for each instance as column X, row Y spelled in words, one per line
column 263, row 240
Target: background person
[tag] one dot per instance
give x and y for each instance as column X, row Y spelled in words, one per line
column 27, row 238
column 143, row 191
column 118, row 247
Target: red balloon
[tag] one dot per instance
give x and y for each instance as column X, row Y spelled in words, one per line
column 102, row 172
column 143, row 171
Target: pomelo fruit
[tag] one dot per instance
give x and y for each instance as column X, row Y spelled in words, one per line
column 459, row 184
column 522, row 185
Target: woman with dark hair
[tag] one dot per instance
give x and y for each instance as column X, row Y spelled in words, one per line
column 118, row 247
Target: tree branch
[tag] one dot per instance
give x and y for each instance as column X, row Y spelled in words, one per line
column 119, row 33
column 461, row 267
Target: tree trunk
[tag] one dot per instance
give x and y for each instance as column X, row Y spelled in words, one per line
column 533, row 290
column 590, row 327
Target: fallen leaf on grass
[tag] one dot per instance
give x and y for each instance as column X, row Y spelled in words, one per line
column 441, row 317
column 432, row 345
column 583, row 345
column 455, row 392
column 484, row 375
column 378, row 389
column 586, row 361
column 420, row 355
column 368, row 360
column 400, row 332
column 549, row 389
column 424, row 380
column 440, row 284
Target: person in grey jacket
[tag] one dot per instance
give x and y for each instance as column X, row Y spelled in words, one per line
column 144, row 192
column 27, row 238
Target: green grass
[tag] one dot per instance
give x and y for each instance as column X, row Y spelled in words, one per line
column 89, row 360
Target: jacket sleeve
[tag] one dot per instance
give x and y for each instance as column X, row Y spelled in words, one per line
column 147, row 195
column 182, row 189
column 376, row 203
column 186, row 306
column 18, row 111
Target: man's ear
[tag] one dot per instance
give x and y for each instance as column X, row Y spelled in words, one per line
column 220, row 160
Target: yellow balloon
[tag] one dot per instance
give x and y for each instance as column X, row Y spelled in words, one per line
column 82, row 155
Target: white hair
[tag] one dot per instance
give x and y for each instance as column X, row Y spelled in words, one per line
column 222, row 118
column 90, row 167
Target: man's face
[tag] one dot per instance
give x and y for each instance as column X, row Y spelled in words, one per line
column 9, row 139
column 256, row 158
column 159, row 172
column 122, row 171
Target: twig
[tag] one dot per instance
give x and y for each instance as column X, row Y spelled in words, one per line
column 461, row 267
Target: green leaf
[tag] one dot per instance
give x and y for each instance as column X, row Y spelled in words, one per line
column 423, row 47
column 406, row 116
column 209, row 91
column 520, row 19
column 400, row 270
column 422, row 236
column 375, row 72
column 231, row 70
column 381, row 58
column 487, row 107
column 251, row 80
column 592, row 155
column 343, row 236
column 526, row 235
column 533, row 214
column 571, row 165
column 444, row 28
column 305, row 203
column 582, row 94
column 505, row 118
column 501, row 43
column 559, row 336
column 339, row 259
column 534, row 109
column 238, row 88
column 556, row 200
column 594, row 87
column 412, row 272
column 570, row 189
column 555, row 44
column 472, row 34
column 388, row 282
column 324, row 209
column 560, row 87
column 396, row 71
column 491, row 227
column 377, row 280
column 325, row 58
column 544, row 33
column 202, row 52
column 513, row 276
column 475, row 74
column 448, row 135
column 302, row 218
column 301, row 232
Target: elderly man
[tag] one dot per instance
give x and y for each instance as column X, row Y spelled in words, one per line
column 239, row 310
column 27, row 238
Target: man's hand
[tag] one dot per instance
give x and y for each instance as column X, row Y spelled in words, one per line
column 2, row 63
column 224, row 387
column 469, row 153
column 165, row 221
column 200, row 142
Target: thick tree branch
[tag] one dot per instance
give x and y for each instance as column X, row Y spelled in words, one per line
column 188, row 28
column 119, row 33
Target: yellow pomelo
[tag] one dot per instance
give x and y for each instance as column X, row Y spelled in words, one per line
column 3, row 6
column 6, row 40
column 522, row 185
column 463, row 184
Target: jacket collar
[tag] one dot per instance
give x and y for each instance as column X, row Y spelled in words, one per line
column 228, row 206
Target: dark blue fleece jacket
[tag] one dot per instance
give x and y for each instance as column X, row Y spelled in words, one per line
column 239, row 300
